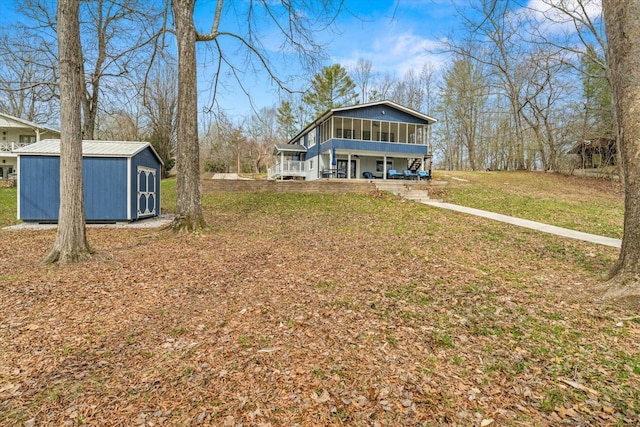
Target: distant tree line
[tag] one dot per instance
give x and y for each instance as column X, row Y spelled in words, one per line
column 514, row 93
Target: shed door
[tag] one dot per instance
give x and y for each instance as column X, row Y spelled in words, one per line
column 146, row 192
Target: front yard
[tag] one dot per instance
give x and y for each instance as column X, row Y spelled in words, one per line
column 317, row 310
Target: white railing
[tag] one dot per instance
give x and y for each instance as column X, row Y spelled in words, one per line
column 286, row 168
column 8, row 147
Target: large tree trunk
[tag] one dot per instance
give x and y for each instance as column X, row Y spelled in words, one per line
column 71, row 243
column 188, row 207
column 623, row 35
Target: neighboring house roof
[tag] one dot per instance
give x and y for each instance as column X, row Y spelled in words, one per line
column 48, row 147
column 289, row 148
column 387, row 103
column 593, row 144
column 7, row 121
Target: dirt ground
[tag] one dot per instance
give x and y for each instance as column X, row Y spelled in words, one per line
column 337, row 310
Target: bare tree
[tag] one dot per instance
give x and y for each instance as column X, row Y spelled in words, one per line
column 71, row 242
column 27, row 88
column 295, row 21
column 623, row 36
column 362, row 75
column 160, row 109
column 118, row 37
column 493, row 38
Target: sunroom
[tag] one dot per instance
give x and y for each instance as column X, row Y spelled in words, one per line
column 362, row 141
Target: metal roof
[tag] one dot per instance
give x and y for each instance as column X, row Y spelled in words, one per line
column 289, row 148
column 48, row 147
column 8, row 121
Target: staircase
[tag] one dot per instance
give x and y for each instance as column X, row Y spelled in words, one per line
column 415, row 191
column 415, row 165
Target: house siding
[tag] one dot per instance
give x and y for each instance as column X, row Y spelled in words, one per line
column 375, row 112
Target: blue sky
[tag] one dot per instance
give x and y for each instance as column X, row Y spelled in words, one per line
column 394, row 36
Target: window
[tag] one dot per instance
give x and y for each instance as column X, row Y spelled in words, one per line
column 380, row 163
column 311, row 138
column 344, row 133
column 27, row 139
column 366, row 135
column 387, row 136
column 310, row 164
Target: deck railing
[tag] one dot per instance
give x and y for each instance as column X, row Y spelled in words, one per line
column 286, row 168
column 7, row 147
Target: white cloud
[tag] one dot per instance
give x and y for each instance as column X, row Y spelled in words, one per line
column 389, row 52
column 558, row 15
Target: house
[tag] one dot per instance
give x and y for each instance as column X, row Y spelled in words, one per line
column 16, row 133
column 365, row 140
column 595, row 153
column 121, row 181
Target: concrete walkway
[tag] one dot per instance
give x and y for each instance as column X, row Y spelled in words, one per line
column 545, row 228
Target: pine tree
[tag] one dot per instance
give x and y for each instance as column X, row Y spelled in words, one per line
column 331, row 88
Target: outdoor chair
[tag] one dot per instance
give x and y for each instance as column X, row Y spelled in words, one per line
column 394, row 174
column 422, row 175
column 368, row 175
column 410, row 175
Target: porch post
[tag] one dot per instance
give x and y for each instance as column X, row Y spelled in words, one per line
column 384, row 167
column 349, row 166
column 281, row 165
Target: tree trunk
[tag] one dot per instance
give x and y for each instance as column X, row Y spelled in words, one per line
column 623, row 35
column 188, row 207
column 71, row 242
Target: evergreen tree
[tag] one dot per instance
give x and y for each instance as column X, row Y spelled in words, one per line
column 331, row 88
column 286, row 120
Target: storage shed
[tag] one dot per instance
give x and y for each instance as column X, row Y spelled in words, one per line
column 121, row 181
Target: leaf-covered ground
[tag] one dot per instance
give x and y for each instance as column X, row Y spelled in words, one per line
column 316, row 310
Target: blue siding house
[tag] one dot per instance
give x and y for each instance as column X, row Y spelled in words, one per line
column 361, row 141
column 121, row 181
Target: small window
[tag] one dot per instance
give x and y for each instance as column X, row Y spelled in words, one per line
column 27, row 139
column 311, row 138
column 344, row 133
column 366, row 135
column 380, row 163
column 310, row 164
column 387, row 136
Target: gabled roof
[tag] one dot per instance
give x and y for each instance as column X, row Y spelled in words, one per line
column 6, row 119
column 48, row 147
column 289, row 148
column 387, row 103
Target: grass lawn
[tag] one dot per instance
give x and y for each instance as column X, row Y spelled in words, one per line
column 317, row 309
column 8, row 206
column 590, row 205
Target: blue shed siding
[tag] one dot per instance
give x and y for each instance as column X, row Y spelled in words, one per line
column 375, row 112
column 41, row 176
column 147, row 159
column 105, row 188
column 105, row 182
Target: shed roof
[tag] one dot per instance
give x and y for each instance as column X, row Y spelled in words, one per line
column 49, row 147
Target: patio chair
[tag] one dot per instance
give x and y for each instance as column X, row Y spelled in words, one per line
column 422, row 175
column 368, row 175
column 410, row 175
column 394, row 174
